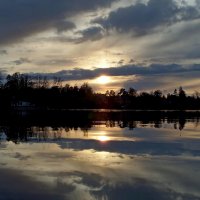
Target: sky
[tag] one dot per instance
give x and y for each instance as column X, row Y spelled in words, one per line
column 110, row 44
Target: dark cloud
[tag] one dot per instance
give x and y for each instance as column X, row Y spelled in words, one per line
column 21, row 61
column 128, row 70
column 63, row 26
column 152, row 82
column 179, row 42
column 3, row 52
column 121, row 62
column 141, row 18
column 90, row 34
column 195, row 53
column 21, row 18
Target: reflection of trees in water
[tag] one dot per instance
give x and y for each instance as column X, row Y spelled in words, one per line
column 132, row 125
column 110, row 123
column 19, row 132
column 16, row 133
column 2, row 134
column 123, row 124
column 127, row 124
column 196, row 123
column 180, row 124
column 85, row 131
column 45, row 133
column 157, row 125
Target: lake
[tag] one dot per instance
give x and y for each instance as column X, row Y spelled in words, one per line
column 100, row 155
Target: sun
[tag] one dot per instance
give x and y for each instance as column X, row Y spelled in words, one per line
column 103, row 80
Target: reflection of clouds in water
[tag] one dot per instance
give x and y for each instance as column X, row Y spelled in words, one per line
column 15, row 185
column 141, row 190
column 91, row 174
column 21, row 157
column 139, row 148
column 144, row 163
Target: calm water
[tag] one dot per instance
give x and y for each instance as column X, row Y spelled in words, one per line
column 107, row 157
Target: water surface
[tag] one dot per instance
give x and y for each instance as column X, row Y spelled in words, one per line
column 103, row 157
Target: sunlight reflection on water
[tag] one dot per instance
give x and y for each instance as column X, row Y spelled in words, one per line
column 103, row 138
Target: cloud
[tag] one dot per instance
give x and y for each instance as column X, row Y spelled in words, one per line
column 3, row 52
column 121, row 62
column 63, row 26
column 21, row 61
column 90, row 34
column 22, row 18
column 56, row 62
column 128, row 70
column 179, row 41
column 142, row 18
column 93, row 33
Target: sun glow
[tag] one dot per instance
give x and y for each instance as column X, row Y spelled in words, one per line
column 103, row 80
column 103, row 138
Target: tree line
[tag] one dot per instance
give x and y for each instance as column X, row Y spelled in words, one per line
column 45, row 94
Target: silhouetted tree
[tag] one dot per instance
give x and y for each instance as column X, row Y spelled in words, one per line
column 132, row 92
column 157, row 93
column 48, row 94
column 181, row 93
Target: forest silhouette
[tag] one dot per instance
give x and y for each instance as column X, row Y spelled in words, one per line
column 22, row 91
